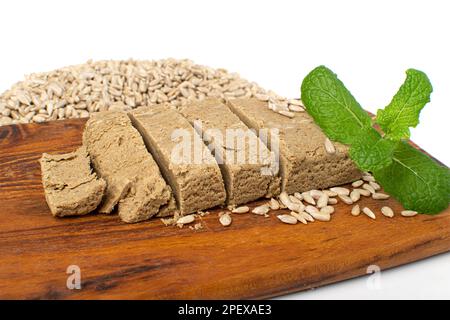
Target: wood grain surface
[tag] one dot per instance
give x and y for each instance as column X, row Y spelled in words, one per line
column 255, row 257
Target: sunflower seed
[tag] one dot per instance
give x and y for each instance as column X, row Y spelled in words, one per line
column 286, row 218
column 380, row 196
column 327, row 210
column 332, row 201
column 308, row 198
column 322, row 201
column 284, row 198
column 286, row 113
column 330, row 193
column 368, row 178
column 225, row 219
column 388, row 212
column 369, row 188
column 261, row 210
column 299, row 217
column 329, row 146
column 345, row 199
column 307, row 216
column 316, row 214
column 294, row 199
column 340, row 191
column 357, row 183
column 186, row 219
column 274, row 204
column 369, row 213
column 296, row 102
column 375, row 185
column 316, row 194
column 243, row 209
column 364, row 192
column 356, row 210
column 295, row 108
column 355, row 195
column 409, row 213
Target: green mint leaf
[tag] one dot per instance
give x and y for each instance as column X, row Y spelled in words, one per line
column 333, row 107
column 417, row 181
column 403, row 111
column 371, row 152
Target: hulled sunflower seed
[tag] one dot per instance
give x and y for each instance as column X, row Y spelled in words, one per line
column 345, row 199
column 375, row 185
column 329, row 146
column 308, row 198
column 296, row 102
column 355, row 195
column 186, row 219
column 341, row 191
column 409, row 213
column 311, row 210
column 369, row 213
column 274, row 204
column 295, row 108
column 316, row 194
column 368, row 178
column 243, row 209
column 225, row 220
column 299, row 217
column 332, row 201
column 317, row 215
column 288, row 114
column 368, row 187
column 322, row 201
column 387, row 211
column 364, row 192
column 261, row 210
column 307, row 216
column 380, row 196
column 330, row 193
column 286, row 218
column 356, row 210
column 294, row 199
column 327, row 210
column 357, row 183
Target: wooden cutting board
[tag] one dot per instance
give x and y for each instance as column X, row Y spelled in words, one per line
column 255, row 257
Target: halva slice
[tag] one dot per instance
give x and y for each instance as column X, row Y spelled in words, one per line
column 305, row 162
column 244, row 160
column 184, row 160
column 70, row 186
column 119, row 156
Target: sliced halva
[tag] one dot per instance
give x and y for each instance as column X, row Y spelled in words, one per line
column 70, row 186
column 244, row 160
column 119, row 156
column 305, row 164
column 184, row 160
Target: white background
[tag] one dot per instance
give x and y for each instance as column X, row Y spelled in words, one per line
column 369, row 44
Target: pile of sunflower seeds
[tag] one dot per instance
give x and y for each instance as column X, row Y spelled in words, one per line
column 79, row 90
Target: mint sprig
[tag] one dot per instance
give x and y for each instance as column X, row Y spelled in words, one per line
column 413, row 178
column 404, row 109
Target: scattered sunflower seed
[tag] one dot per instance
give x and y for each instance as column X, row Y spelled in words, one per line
column 356, row 210
column 355, row 195
column 261, row 210
column 308, row 198
column 345, row 199
column 274, row 204
column 364, row 192
column 369, row 213
column 332, row 201
column 375, row 185
column 225, row 219
column 327, row 210
column 380, row 196
column 286, row 218
column 322, row 201
column 409, row 213
column 387, row 211
column 243, row 209
column 186, row 219
column 368, row 187
column 299, row 217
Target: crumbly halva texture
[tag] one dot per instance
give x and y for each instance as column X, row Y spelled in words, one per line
column 244, row 160
column 190, row 168
column 304, row 162
column 70, row 186
column 119, row 155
